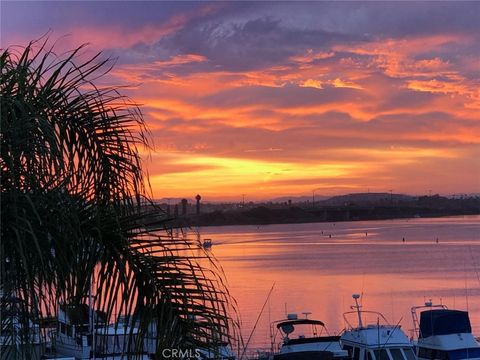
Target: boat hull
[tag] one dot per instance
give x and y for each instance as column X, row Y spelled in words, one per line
column 305, row 355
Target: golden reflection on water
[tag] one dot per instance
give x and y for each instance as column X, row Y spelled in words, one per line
column 316, row 268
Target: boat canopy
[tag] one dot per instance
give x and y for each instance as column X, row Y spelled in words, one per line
column 444, row 322
column 299, row 322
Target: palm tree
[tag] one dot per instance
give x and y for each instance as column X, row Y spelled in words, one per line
column 75, row 210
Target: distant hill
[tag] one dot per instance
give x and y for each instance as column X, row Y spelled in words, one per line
column 366, row 198
column 298, row 199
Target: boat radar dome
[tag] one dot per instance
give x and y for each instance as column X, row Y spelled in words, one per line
column 292, row 316
column 428, row 303
column 356, row 296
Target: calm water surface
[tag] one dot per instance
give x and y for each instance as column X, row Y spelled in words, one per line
column 317, row 273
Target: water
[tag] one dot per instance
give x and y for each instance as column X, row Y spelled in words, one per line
column 317, row 273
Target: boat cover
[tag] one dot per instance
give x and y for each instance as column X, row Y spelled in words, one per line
column 444, row 322
column 300, row 322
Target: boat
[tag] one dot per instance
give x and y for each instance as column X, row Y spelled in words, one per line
column 373, row 338
column 304, row 339
column 17, row 342
column 207, row 243
column 84, row 333
column 443, row 334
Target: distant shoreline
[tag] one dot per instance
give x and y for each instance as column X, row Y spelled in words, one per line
column 333, row 221
column 354, row 207
column 293, row 215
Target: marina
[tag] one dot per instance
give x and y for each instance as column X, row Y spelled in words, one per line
column 315, row 273
column 314, row 268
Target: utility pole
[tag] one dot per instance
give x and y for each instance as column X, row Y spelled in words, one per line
column 313, row 196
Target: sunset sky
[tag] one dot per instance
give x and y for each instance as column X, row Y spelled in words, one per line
column 273, row 99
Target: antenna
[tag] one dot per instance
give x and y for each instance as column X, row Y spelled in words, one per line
column 357, row 307
column 256, row 322
column 363, row 287
column 271, row 327
column 306, row 313
column 466, row 286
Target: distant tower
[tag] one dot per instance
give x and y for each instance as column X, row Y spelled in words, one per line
column 184, row 207
column 198, row 198
column 175, row 211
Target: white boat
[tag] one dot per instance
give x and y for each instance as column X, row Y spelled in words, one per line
column 304, row 339
column 17, row 342
column 373, row 338
column 84, row 334
column 443, row 334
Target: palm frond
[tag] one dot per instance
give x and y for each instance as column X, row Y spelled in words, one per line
column 75, row 210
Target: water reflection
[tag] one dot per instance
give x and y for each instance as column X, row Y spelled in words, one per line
column 316, row 268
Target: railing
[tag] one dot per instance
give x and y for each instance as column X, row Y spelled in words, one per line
column 380, row 319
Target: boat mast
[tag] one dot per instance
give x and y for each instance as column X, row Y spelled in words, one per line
column 91, row 316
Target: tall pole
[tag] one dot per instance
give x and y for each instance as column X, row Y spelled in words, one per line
column 92, row 317
column 357, row 307
column 313, row 197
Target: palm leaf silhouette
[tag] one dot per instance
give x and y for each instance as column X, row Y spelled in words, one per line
column 76, row 215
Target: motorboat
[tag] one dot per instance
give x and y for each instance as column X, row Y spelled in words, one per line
column 19, row 338
column 84, row 333
column 207, row 244
column 373, row 338
column 303, row 338
column 443, row 334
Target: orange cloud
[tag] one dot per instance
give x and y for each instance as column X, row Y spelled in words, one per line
column 391, row 99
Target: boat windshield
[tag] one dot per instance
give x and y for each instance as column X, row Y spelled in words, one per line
column 301, row 329
column 409, row 353
column 391, row 354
